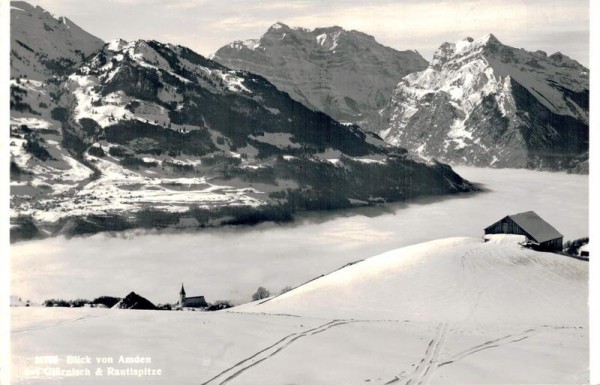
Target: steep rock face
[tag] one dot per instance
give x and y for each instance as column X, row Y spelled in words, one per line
column 486, row 104
column 43, row 45
column 346, row 74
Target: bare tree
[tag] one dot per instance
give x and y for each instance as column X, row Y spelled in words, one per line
column 261, row 293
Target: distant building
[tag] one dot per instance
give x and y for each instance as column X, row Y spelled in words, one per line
column 541, row 233
column 191, row 302
column 584, row 251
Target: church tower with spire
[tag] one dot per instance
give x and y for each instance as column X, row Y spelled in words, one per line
column 182, row 296
column 186, row 302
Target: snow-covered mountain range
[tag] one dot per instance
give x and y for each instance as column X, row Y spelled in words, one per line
column 483, row 103
column 148, row 134
column 346, row 74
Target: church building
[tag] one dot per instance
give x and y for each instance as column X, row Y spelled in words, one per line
column 190, row 302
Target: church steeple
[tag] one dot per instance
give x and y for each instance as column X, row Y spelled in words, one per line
column 182, row 296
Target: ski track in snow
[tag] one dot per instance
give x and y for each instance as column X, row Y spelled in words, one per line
column 269, row 352
column 430, row 361
column 511, row 338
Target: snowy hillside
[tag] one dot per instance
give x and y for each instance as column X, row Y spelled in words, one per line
column 487, row 104
column 451, row 311
column 346, row 74
column 454, row 279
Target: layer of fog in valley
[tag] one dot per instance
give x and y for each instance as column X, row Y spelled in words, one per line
column 229, row 264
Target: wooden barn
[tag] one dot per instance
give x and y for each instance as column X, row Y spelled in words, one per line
column 537, row 230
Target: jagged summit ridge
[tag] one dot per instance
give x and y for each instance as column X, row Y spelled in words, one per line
column 460, row 49
column 346, row 74
column 324, row 36
column 484, row 103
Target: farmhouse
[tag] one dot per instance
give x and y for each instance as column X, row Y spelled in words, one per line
column 545, row 237
column 190, row 302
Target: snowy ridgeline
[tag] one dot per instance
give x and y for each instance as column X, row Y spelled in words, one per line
column 455, row 310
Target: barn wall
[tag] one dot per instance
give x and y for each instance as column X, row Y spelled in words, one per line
column 552, row 245
column 505, row 226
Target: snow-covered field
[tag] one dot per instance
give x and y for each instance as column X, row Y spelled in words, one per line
column 451, row 311
column 232, row 263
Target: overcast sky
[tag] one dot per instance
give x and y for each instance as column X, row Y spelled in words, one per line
column 206, row 25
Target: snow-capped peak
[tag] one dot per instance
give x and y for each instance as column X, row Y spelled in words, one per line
column 277, row 26
column 477, row 85
column 463, row 47
column 491, row 39
column 116, row 45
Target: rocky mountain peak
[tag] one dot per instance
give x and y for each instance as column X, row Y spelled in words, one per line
column 279, row 26
column 466, row 47
column 313, row 67
column 44, row 45
column 491, row 39
column 484, row 103
column 562, row 60
column 116, row 45
column 278, row 31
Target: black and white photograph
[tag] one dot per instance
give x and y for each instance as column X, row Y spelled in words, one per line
column 307, row 192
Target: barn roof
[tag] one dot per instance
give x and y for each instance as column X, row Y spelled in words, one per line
column 540, row 230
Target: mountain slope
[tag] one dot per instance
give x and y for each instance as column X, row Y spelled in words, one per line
column 459, row 280
column 346, row 74
column 185, row 91
column 43, row 45
column 145, row 134
column 487, row 104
